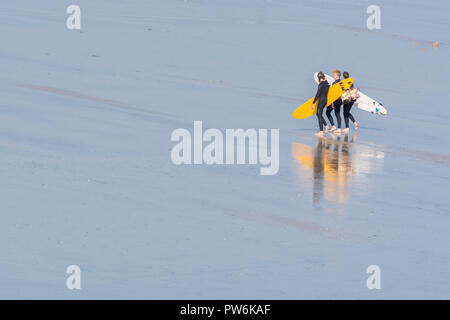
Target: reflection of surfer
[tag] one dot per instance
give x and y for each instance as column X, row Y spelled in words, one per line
column 332, row 166
column 318, row 171
column 321, row 96
column 336, row 106
column 349, row 98
column 332, row 155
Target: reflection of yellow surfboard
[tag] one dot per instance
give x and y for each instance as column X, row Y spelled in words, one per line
column 307, row 109
column 304, row 154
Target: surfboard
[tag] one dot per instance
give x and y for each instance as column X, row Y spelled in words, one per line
column 364, row 102
column 307, row 109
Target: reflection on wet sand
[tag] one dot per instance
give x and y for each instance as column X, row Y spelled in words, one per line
column 334, row 165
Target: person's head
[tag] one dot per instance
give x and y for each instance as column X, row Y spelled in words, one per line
column 321, row 76
column 336, row 74
column 346, row 74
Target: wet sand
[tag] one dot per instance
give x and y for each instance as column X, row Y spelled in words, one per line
column 86, row 119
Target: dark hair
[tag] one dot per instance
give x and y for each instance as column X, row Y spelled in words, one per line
column 346, row 75
column 320, row 75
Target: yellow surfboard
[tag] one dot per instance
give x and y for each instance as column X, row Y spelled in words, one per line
column 336, row 90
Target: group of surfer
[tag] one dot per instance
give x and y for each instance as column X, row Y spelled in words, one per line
column 346, row 100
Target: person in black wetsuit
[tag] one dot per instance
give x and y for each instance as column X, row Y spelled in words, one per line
column 348, row 104
column 336, row 106
column 321, row 96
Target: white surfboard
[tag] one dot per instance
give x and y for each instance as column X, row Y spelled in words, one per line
column 364, row 102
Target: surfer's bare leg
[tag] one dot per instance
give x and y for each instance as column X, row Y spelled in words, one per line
column 319, row 134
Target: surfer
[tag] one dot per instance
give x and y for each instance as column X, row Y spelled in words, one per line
column 321, row 95
column 336, row 106
column 349, row 98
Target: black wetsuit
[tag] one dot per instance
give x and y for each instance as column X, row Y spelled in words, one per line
column 347, row 107
column 321, row 95
column 337, row 110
